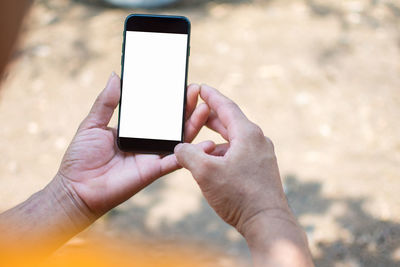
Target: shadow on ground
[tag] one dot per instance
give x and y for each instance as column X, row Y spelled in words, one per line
column 203, row 227
column 374, row 242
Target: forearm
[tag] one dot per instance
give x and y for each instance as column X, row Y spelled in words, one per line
column 43, row 222
column 276, row 239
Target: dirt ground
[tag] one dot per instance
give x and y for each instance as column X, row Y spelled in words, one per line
column 322, row 79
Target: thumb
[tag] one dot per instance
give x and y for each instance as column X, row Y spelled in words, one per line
column 191, row 157
column 104, row 106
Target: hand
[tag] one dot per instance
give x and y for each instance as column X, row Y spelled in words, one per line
column 97, row 175
column 94, row 177
column 240, row 180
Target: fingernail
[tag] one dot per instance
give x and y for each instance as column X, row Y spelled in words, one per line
column 109, row 79
column 111, row 76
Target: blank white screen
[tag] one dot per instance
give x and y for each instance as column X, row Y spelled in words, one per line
column 153, row 85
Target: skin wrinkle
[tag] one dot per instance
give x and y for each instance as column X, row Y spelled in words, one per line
column 72, row 197
column 267, row 211
column 224, row 180
column 65, row 210
column 92, row 138
column 245, row 187
column 98, row 170
column 139, row 171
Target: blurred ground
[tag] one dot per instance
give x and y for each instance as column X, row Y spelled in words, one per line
column 322, row 78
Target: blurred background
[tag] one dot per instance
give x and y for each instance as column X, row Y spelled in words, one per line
column 321, row 77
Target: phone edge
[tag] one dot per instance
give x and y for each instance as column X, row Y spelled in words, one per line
column 185, row 85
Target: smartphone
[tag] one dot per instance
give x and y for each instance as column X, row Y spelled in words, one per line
column 154, row 68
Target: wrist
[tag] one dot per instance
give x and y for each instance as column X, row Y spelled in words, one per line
column 257, row 225
column 42, row 223
column 275, row 238
column 77, row 215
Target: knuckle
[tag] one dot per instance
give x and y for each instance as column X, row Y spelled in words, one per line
column 270, row 149
column 257, row 131
column 98, row 100
column 270, row 144
column 227, row 106
column 231, row 105
column 85, row 124
column 254, row 131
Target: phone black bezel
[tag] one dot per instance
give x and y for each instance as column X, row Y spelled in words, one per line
column 153, row 23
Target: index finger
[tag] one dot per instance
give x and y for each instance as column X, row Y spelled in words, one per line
column 227, row 111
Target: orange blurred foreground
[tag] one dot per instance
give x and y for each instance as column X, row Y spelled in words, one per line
column 102, row 251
